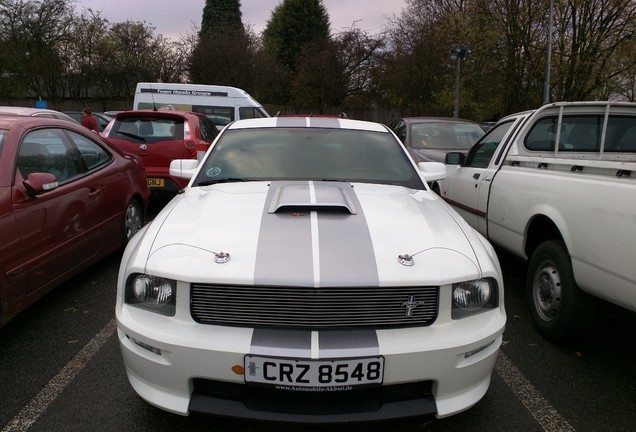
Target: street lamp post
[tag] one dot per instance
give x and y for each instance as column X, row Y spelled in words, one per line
column 458, row 53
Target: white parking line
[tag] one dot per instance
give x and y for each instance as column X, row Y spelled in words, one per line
column 52, row 390
column 544, row 413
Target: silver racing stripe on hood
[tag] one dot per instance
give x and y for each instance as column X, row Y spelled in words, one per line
column 284, row 343
column 283, row 250
column 310, row 244
column 305, row 243
column 351, row 343
column 324, row 122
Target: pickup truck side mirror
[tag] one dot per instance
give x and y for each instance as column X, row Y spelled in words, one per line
column 454, row 158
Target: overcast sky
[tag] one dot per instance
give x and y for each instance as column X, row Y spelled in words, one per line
column 174, row 18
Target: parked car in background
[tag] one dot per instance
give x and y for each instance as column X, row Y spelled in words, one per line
column 111, row 114
column 428, row 139
column 308, row 274
column 159, row 137
column 101, row 118
column 37, row 112
column 67, row 198
column 487, row 125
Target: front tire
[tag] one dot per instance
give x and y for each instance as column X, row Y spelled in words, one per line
column 558, row 307
column 133, row 221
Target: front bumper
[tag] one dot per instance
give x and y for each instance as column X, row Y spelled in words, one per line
column 184, row 367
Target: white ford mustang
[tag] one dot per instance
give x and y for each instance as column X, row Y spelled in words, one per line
column 308, row 274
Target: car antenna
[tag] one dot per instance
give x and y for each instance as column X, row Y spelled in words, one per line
column 152, row 96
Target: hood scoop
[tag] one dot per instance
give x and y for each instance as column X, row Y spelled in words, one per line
column 310, row 196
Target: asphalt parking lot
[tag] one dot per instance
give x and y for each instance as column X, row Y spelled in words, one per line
column 62, row 371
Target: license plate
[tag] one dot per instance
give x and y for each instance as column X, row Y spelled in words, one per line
column 314, row 373
column 155, row 182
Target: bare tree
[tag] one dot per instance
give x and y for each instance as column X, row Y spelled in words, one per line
column 129, row 53
column 590, row 36
column 359, row 55
column 30, row 33
column 81, row 56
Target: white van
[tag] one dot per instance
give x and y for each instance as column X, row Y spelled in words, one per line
column 222, row 104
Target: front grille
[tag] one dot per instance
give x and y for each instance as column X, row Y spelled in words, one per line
column 315, row 308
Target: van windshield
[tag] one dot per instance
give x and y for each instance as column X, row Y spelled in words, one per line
column 252, row 112
column 220, row 115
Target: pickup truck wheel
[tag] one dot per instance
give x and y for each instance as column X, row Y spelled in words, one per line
column 558, row 307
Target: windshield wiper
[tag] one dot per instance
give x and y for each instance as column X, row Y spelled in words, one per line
column 131, row 135
column 222, row 180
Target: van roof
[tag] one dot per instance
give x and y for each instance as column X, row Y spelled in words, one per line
column 190, row 89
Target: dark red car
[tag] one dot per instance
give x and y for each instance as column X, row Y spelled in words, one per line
column 67, row 199
column 159, row 137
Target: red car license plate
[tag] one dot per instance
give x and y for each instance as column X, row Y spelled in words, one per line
column 155, row 182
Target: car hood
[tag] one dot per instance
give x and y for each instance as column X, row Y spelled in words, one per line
column 308, row 234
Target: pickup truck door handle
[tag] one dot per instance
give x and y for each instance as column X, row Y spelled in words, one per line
column 476, row 176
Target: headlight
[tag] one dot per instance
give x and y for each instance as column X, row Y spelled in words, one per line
column 474, row 296
column 152, row 293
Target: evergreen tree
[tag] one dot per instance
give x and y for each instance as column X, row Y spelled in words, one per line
column 294, row 25
column 221, row 15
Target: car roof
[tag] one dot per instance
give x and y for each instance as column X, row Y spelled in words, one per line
column 28, row 111
column 436, row 120
column 9, row 120
column 25, row 111
column 308, row 122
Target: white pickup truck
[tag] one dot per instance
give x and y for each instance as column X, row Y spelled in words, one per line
column 557, row 186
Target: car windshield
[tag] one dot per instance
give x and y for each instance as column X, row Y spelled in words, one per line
column 308, row 154
column 445, row 135
column 220, row 116
column 148, row 129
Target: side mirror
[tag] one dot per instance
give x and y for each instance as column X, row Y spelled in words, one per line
column 39, row 183
column 184, row 168
column 432, row 171
column 454, row 158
